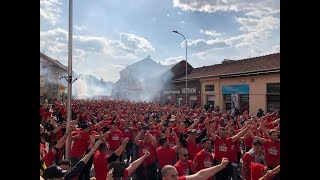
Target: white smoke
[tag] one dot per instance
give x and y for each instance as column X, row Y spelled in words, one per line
column 142, row 81
column 89, row 87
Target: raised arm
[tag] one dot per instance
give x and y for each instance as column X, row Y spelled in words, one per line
column 201, row 136
column 262, row 140
column 135, row 164
column 153, row 140
column 86, row 158
column 122, row 147
column 241, row 133
column 208, row 172
column 136, row 139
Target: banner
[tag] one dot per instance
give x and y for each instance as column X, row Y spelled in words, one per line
column 234, row 102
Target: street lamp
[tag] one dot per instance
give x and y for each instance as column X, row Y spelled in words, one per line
column 69, row 79
column 186, row 66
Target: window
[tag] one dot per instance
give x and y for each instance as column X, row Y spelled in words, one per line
column 273, row 88
column 209, row 87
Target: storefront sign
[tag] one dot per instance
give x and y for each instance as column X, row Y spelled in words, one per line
column 189, row 91
column 235, row 89
column 171, row 92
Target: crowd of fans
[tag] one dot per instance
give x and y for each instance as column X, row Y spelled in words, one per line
column 114, row 139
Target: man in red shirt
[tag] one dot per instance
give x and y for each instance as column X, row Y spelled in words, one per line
column 170, row 172
column 184, row 166
column 127, row 132
column 147, row 169
column 271, row 149
column 254, row 155
column 118, row 170
column 115, row 138
column 102, row 159
column 165, row 154
column 222, row 148
column 261, row 172
column 192, row 143
column 80, row 143
column 204, row 158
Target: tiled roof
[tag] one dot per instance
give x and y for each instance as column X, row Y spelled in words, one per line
column 250, row 65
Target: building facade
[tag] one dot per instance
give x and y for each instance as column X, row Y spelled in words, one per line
column 248, row 84
column 51, row 84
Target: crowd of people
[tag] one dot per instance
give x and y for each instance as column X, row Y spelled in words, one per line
column 114, row 139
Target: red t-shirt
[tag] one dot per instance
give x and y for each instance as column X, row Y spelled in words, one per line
column 100, row 163
column 154, row 133
column 183, row 168
column 114, row 140
column 222, row 148
column 149, row 147
column 48, row 158
column 248, row 141
column 272, row 152
column 42, row 110
column 80, row 145
column 248, row 159
column 193, row 149
column 165, row 156
column 182, row 178
column 203, row 159
column 234, row 150
column 126, row 133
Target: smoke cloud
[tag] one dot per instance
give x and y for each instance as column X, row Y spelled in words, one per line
column 142, row 81
column 89, row 87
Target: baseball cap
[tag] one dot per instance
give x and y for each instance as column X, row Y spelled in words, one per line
column 256, row 142
column 53, row 171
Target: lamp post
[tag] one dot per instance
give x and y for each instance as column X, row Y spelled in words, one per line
column 186, row 66
column 69, row 111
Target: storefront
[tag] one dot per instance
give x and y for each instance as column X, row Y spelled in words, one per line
column 236, row 96
column 175, row 93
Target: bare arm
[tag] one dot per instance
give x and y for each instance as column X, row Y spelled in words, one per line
column 86, row 158
column 153, row 140
column 240, row 134
column 256, row 137
column 208, row 172
column 136, row 139
column 135, row 164
column 244, row 137
column 264, row 131
column 122, row 147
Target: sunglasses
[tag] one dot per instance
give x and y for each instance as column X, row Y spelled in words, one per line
column 186, row 155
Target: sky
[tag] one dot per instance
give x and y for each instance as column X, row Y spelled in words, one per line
column 108, row 35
